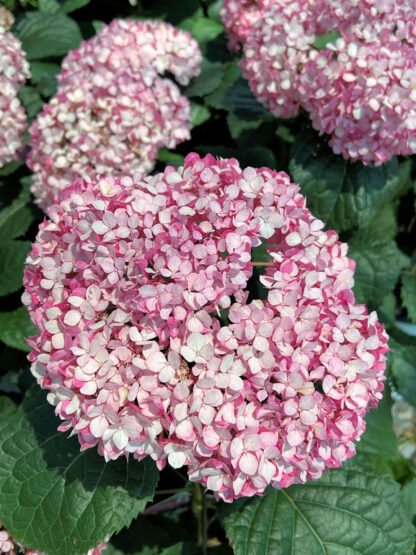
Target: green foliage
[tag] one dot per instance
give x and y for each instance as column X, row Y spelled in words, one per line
column 346, row 511
column 343, row 194
column 15, row 327
column 47, row 34
column 12, row 258
column 408, row 293
column 56, row 499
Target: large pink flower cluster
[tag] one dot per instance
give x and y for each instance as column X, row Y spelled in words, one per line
column 148, row 343
column 11, row 546
column 113, row 111
column 14, row 70
column 359, row 89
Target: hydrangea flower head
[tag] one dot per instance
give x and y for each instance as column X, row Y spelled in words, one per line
column 149, row 344
column 6, row 18
column 238, row 17
column 113, row 111
column 14, row 70
column 359, row 89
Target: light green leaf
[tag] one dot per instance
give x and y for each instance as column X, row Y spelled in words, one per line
column 321, row 42
column 12, row 259
column 345, row 512
column 199, row 114
column 202, row 28
column 182, row 548
column 47, row 34
column 408, row 293
column 342, row 194
column 57, row 499
column 15, row 327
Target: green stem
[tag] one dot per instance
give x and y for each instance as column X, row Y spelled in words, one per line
column 199, row 509
column 171, row 491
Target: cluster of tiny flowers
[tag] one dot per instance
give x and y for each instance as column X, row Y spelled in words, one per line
column 148, row 343
column 113, row 111
column 239, row 16
column 11, row 546
column 360, row 89
column 6, row 18
column 14, row 70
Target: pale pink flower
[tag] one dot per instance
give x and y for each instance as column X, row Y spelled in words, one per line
column 114, row 109
column 14, row 70
column 359, row 89
column 126, row 283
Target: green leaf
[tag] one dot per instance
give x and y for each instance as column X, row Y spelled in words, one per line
column 170, row 158
column 343, row 194
column 56, row 498
column 68, row 6
column 409, row 495
column 199, row 114
column 49, row 6
column 202, row 28
column 208, row 80
column 321, row 42
column 7, row 407
column 408, row 294
column 12, row 260
column 378, row 445
column 44, row 76
column 16, row 218
column 11, row 167
column 31, row 101
column 218, row 94
column 15, row 327
column 379, row 262
column 403, row 367
column 47, row 34
column 344, row 512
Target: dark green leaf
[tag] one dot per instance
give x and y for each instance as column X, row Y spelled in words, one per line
column 7, row 407
column 56, row 498
column 342, row 194
column 379, row 445
column 12, row 259
column 403, row 367
column 16, row 218
column 15, row 327
column 10, row 168
column 409, row 495
column 49, row 6
column 31, row 101
column 345, row 512
column 46, row 34
column 229, row 75
column 379, row 262
column 68, row 6
column 408, row 293
column 208, row 80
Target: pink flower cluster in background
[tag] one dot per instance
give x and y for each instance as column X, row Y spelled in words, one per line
column 14, row 70
column 148, row 343
column 113, row 109
column 11, row 546
column 360, row 89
